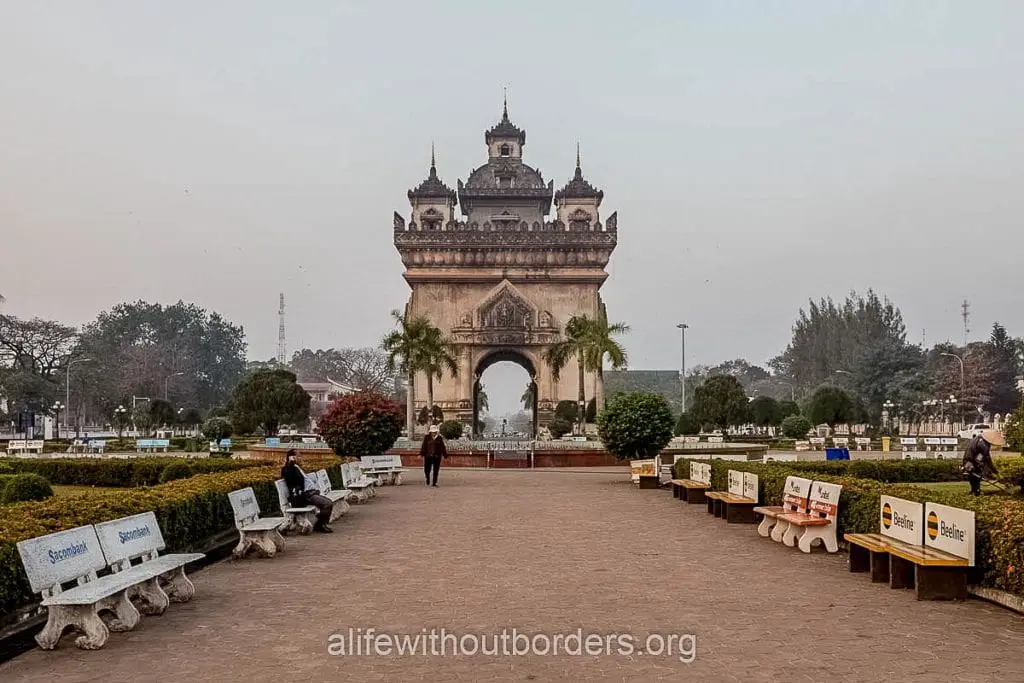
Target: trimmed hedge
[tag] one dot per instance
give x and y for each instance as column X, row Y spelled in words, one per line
column 190, row 513
column 117, row 472
column 22, row 487
column 999, row 519
column 175, row 471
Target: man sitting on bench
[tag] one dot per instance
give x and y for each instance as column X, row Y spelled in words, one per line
column 299, row 495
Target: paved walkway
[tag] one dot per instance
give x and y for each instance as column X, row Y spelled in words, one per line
column 547, row 553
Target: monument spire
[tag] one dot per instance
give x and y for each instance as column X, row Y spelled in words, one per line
column 433, row 160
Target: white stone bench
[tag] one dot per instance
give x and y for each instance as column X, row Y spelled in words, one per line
column 69, row 556
column 863, row 443
column 337, row 496
column 297, row 519
column 388, row 468
column 357, row 482
column 138, row 537
column 254, row 532
column 20, row 446
column 817, row 443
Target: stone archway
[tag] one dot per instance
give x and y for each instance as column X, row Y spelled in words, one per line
column 491, row 267
column 505, row 355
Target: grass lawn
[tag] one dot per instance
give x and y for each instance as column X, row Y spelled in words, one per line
column 955, row 486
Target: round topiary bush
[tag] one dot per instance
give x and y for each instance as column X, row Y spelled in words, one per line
column 796, row 427
column 686, row 425
column 174, row 471
column 635, row 425
column 451, row 429
column 23, row 487
column 363, row 423
column 559, row 427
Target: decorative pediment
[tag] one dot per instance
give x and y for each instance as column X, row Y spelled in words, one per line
column 505, row 308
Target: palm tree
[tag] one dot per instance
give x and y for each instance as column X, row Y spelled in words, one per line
column 482, row 403
column 404, row 346
column 436, row 355
column 575, row 345
column 601, row 343
column 528, row 397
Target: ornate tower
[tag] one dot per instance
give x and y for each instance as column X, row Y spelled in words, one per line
column 503, row 278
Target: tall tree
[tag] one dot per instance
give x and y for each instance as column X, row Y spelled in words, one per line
column 319, row 365
column 575, row 344
column 437, row 356
column 528, row 397
column 602, row 344
column 720, row 401
column 34, row 355
column 268, row 399
column 831, row 405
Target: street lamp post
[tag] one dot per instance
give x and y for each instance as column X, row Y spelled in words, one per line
column 119, row 418
column 67, row 389
column 792, row 389
column 57, row 407
column 682, row 377
column 167, row 382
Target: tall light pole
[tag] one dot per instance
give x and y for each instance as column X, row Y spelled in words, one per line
column 792, row 389
column 682, row 377
column 167, row 382
column 67, row 390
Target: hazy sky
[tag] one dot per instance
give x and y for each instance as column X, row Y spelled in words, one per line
column 758, row 153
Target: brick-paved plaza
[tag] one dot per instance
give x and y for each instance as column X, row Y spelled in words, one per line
column 546, row 552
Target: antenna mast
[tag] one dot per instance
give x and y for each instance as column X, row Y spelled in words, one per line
column 282, row 349
column 965, row 313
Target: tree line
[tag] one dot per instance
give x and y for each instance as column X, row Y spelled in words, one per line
column 856, row 355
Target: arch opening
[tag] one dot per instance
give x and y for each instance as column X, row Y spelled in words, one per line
column 505, row 396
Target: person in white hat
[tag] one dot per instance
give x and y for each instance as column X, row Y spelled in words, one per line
column 977, row 463
column 432, row 450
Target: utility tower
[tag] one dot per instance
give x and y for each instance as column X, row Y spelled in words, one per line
column 282, row 349
column 965, row 313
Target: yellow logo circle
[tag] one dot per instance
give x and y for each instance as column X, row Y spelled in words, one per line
column 933, row 525
column 887, row 515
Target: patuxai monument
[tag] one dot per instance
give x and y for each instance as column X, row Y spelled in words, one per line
column 491, row 266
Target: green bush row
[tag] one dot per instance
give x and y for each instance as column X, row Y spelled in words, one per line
column 999, row 519
column 116, row 472
column 190, row 512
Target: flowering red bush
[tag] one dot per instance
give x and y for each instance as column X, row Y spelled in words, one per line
column 364, row 423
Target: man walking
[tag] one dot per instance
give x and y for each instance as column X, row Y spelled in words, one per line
column 432, row 450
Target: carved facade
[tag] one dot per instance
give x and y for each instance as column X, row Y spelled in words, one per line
column 491, row 267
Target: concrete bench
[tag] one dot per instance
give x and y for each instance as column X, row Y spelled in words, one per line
column 863, row 443
column 96, row 446
column 261, row 533
column 152, row 445
column 794, row 500
column 818, row 523
column 387, row 468
column 299, row 519
column 736, row 505
column 926, row 547
column 70, row 556
column 337, row 496
column 22, row 447
column 362, row 486
column 138, row 539
column 817, row 443
column 644, row 473
column 693, row 490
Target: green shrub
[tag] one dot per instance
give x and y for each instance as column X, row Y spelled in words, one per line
column 116, row 472
column 686, row 425
column 451, row 429
column 559, row 427
column 176, row 470
column 5, row 468
column 796, row 427
column 635, row 425
column 567, row 410
column 217, row 428
column 22, row 487
column 1015, row 431
column 363, row 423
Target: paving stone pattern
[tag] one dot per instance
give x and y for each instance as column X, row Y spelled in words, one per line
column 547, row 552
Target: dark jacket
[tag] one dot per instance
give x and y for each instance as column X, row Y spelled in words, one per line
column 433, row 447
column 294, row 480
column 978, row 458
